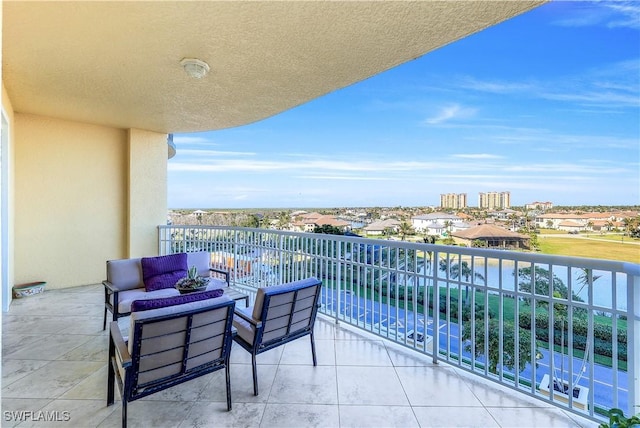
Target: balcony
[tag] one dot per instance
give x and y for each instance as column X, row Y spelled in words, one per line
column 378, row 364
column 54, row 369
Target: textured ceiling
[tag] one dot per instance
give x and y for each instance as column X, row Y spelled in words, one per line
column 118, row 63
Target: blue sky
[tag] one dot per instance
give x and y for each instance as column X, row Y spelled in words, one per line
column 545, row 106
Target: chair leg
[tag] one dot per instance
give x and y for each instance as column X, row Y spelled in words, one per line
column 227, row 374
column 111, row 374
column 124, row 413
column 104, row 320
column 255, row 374
column 110, row 386
column 313, row 350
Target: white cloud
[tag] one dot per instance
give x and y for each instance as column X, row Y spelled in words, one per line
column 628, row 14
column 494, row 86
column 613, row 85
column 192, row 139
column 306, row 165
column 451, row 112
column 477, row 156
column 610, row 14
column 201, row 152
column 345, row 177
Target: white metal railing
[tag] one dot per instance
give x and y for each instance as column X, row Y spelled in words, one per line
column 561, row 329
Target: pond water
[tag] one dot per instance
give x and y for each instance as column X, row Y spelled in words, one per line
column 604, row 283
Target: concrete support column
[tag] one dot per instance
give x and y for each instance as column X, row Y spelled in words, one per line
column 147, row 191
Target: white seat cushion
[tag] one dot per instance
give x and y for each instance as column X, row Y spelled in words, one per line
column 216, row 284
column 245, row 329
column 127, row 297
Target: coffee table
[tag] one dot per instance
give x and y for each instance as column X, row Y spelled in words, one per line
column 236, row 295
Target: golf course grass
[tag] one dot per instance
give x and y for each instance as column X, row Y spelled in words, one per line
column 588, row 247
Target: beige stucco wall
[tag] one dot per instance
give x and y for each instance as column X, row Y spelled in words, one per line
column 84, row 194
column 70, row 200
column 147, row 190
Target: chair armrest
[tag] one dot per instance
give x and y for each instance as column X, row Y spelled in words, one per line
column 109, row 287
column 221, row 272
column 120, row 345
column 247, row 318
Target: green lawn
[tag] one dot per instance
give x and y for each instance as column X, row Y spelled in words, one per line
column 615, row 237
column 589, row 248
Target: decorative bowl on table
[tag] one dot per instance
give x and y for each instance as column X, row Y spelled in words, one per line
column 192, row 282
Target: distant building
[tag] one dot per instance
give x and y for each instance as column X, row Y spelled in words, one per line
column 494, row 200
column 554, row 220
column 438, row 223
column 540, row 206
column 382, row 226
column 491, row 236
column 505, row 214
column 454, row 201
column 595, row 221
column 309, row 221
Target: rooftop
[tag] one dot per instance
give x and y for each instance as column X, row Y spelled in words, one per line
column 54, row 358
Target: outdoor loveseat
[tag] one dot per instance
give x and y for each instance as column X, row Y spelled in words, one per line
column 154, row 277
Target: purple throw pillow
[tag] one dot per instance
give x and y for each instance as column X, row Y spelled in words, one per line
column 145, row 305
column 163, row 271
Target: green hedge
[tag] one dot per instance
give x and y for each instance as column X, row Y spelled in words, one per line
column 602, row 334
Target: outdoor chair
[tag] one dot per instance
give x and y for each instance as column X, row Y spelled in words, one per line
column 281, row 313
column 169, row 344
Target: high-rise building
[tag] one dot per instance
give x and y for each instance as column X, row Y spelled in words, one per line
column 453, row 200
column 494, row 200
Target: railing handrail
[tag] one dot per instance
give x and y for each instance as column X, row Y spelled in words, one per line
column 521, row 256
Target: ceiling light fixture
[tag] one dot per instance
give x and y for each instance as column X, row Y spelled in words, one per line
column 194, row 67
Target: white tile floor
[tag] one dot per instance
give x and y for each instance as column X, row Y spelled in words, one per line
column 54, row 356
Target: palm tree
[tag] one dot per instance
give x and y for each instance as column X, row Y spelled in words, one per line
column 404, row 229
column 430, row 239
column 460, row 270
column 447, row 225
column 526, row 219
column 513, row 218
column 283, row 220
column 583, row 279
column 631, row 225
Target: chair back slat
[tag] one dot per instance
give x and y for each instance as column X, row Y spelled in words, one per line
column 159, row 366
column 176, row 344
column 289, row 312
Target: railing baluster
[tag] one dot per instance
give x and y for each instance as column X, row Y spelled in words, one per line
column 633, row 338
